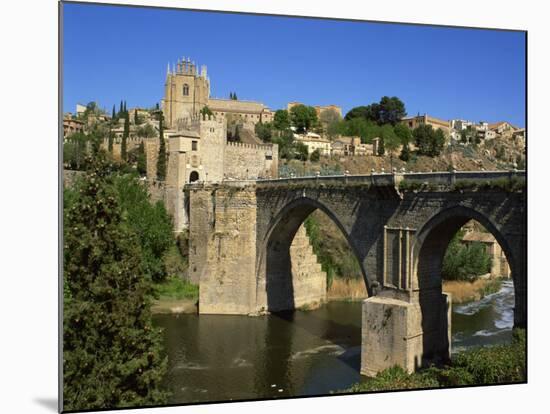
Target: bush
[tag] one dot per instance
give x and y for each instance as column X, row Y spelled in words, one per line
column 485, row 365
column 465, row 262
column 315, row 155
column 149, row 221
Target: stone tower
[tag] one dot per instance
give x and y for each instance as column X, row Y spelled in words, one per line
column 186, row 92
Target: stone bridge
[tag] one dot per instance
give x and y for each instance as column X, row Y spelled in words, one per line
column 397, row 225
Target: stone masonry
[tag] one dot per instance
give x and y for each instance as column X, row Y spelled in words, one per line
column 241, row 235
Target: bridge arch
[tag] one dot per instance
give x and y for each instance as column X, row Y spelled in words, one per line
column 274, row 273
column 428, row 252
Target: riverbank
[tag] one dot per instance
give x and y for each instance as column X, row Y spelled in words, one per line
column 175, row 295
column 463, row 291
column 498, row 364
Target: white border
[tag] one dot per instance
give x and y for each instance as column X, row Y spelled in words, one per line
column 29, row 202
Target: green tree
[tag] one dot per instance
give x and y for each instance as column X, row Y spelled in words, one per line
column 281, row 120
column 405, row 154
column 465, row 262
column 303, row 117
column 146, row 131
column 125, row 135
column 112, row 353
column 424, row 136
column 264, row 131
column 75, row 150
column 390, row 141
column 121, row 109
column 141, row 160
column 110, row 141
column 315, row 155
column 368, row 113
column 161, row 161
column 301, row 151
column 124, row 108
column 381, row 147
column 438, row 142
column 403, row 132
column 149, row 221
column 285, row 141
column 136, row 119
column 206, row 112
column 391, row 110
column 113, row 115
column 234, row 96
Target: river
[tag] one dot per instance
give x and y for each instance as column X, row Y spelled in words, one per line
column 221, row 358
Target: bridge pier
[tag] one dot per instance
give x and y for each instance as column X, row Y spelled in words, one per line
column 394, row 332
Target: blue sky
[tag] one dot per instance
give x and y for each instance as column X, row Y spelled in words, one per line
column 113, row 53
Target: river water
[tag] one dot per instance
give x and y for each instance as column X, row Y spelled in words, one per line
column 220, row 358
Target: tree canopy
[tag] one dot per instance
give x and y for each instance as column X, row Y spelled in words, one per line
column 281, row 120
column 303, row 117
column 387, row 111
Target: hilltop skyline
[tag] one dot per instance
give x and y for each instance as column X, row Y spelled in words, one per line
column 113, row 53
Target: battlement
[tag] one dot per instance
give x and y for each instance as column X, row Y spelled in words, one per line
column 187, row 67
column 265, row 147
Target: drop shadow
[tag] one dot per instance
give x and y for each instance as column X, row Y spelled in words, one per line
column 49, row 403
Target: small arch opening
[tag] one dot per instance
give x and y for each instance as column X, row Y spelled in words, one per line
column 194, row 176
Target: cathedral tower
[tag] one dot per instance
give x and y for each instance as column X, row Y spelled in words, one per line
column 186, row 92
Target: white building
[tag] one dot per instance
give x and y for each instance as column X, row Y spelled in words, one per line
column 313, row 142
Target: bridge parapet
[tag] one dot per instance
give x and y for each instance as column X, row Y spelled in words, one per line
column 379, row 179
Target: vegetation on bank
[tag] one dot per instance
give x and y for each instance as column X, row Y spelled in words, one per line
column 496, row 364
column 336, row 258
column 465, row 291
column 175, row 288
column 465, row 261
column 112, row 355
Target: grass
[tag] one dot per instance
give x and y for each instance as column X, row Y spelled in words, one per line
column 484, row 365
column 175, row 288
column 347, row 289
column 465, row 291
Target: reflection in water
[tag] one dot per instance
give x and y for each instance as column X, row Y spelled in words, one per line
column 220, row 357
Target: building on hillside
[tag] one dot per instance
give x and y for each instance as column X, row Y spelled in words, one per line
column 187, row 92
column 314, row 142
column 503, row 129
column 80, row 109
column 349, row 146
column 319, row 109
column 71, row 126
column 414, row 121
column 499, row 264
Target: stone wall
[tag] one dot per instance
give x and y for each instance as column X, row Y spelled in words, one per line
column 247, row 161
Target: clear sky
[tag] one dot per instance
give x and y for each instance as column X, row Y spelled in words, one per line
column 113, row 53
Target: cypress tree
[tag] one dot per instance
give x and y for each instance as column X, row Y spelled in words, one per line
column 113, row 116
column 405, row 153
column 125, row 135
column 112, row 354
column 141, row 160
column 135, row 117
column 381, row 147
column 121, row 109
column 125, row 110
column 110, row 144
column 161, row 161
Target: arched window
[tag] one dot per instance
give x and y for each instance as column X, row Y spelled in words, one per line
column 185, row 89
column 194, row 176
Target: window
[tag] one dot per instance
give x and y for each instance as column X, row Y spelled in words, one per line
column 185, row 89
column 193, row 145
